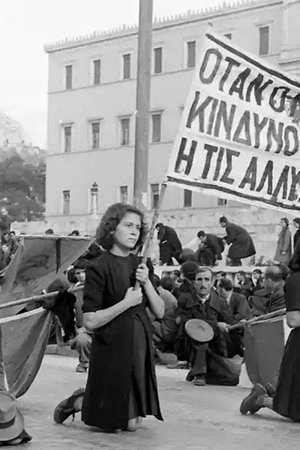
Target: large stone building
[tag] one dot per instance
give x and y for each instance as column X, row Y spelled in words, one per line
column 91, row 112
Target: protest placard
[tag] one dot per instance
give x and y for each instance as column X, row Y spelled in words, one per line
column 239, row 134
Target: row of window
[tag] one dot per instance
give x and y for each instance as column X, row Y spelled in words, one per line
column 123, row 198
column 124, row 132
column 190, row 59
column 264, row 40
column 126, row 65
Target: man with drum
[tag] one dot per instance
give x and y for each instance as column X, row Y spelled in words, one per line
column 210, row 331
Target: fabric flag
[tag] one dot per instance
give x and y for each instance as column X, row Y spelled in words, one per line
column 239, row 134
column 264, row 348
column 38, row 261
column 24, row 338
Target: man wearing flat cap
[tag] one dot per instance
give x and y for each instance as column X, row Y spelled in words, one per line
column 203, row 303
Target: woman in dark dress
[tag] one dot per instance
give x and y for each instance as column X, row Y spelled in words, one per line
column 286, row 399
column 121, row 386
column 284, row 244
column 296, row 223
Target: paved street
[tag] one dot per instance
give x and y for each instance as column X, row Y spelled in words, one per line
column 195, row 417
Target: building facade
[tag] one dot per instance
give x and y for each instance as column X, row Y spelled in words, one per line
column 92, row 101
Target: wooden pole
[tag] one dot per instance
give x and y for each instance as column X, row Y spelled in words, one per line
column 143, row 104
column 271, row 315
column 153, row 223
column 37, row 298
column 142, row 119
column 149, row 238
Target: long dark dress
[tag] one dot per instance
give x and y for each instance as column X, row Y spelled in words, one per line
column 284, row 246
column 121, row 381
column 287, row 397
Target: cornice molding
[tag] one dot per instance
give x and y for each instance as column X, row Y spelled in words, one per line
column 227, row 7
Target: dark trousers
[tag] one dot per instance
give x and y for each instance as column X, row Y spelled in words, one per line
column 198, row 359
column 235, row 344
column 198, row 352
column 165, row 253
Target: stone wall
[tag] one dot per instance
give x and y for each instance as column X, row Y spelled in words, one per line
column 262, row 224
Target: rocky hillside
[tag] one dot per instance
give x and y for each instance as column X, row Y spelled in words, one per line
column 15, row 141
column 11, row 132
column 22, row 172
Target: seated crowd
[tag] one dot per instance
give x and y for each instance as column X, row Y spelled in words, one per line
column 195, row 292
column 67, row 306
column 192, row 291
column 218, row 301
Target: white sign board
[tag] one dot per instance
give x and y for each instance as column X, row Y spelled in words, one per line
column 239, row 134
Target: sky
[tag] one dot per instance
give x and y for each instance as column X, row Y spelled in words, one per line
column 26, row 25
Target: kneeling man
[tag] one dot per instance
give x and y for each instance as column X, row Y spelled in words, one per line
column 204, row 303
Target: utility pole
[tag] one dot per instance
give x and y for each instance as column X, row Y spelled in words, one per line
column 143, row 104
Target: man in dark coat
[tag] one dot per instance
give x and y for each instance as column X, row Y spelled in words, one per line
column 241, row 242
column 244, row 284
column 203, row 303
column 257, row 282
column 271, row 297
column 240, row 310
column 183, row 291
column 238, row 303
column 169, row 244
column 210, row 249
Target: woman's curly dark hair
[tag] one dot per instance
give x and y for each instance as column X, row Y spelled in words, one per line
column 111, row 218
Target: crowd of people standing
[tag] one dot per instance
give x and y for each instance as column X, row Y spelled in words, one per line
column 209, row 249
column 206, row 248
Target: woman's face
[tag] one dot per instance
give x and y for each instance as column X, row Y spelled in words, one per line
column 128, row 231
column 282, row 224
